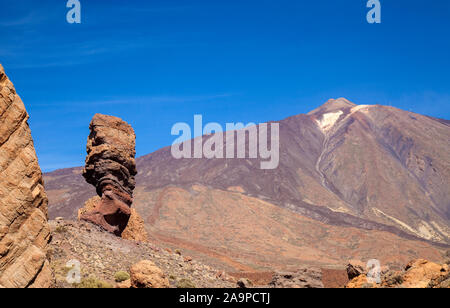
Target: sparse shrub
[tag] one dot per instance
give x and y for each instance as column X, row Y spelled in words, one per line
column 49, row 254
column 178, row 252
column 93, row 283
column 173, row 277
column 394, row 279
column 121, row 276
column 397, row 279
column 185, row 284
column 65, row 270
column 61, row 229
column 445, row 284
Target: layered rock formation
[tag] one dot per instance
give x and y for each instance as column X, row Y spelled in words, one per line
column 111, row 168
column 24, row 232
column 135, row 230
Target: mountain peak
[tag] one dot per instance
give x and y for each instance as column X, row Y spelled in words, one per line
column 340, row 100
column 333, row 105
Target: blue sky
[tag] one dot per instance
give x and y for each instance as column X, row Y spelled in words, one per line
column 155, row 63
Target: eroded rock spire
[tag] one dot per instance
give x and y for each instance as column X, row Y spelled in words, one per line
column 111, row 168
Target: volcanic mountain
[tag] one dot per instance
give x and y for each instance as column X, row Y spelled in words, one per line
column 354, row 181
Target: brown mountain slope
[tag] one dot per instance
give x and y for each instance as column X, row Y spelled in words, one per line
column 356, row 171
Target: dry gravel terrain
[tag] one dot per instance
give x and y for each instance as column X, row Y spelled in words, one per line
column 102, row 255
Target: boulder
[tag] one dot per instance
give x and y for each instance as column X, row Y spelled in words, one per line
column 24, row 230
column 244, row 283
column 305, row 277
column 146, row 275
column 111, row 168
column 355, row 268
column 187, row 259
column 135, row 229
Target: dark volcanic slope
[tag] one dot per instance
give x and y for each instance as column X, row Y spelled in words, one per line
column 369, row 167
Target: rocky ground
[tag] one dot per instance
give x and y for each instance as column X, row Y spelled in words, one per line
column 103, row 255
column 103, row 258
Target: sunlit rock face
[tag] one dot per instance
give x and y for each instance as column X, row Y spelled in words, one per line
column 111, row 168
column 24, row 231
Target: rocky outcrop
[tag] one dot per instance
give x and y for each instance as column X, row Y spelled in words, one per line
column 440, row 281
column 135, row 229
column 89, row 206
column 417, row 274
column 303, row 278
column 146, row 275
column 361, row 282
column 355, row 268
column 111, row 168
column 24, row 231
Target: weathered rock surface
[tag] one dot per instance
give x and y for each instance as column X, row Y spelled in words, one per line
column 24, row 231
column 440, row 282
column 420, row 273
column 135, row 229
column 89, row 206
column 417, row 274
column 361, row 282
column 124, row 284
column 355, row 268
column 146, row 275
column 111, row 168
column 307, row 277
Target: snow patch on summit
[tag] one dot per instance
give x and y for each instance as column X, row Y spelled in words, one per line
column 328, row 120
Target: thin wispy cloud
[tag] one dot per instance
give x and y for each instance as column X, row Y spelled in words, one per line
column 163, row 99
column 70, row 54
